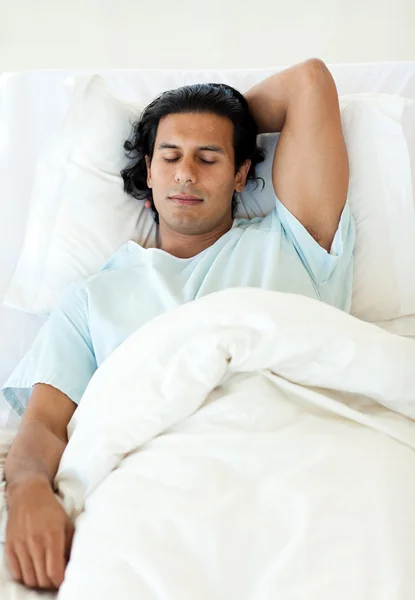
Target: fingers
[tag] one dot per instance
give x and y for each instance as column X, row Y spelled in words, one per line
column 70, row 530
column 55, row 562
column 40, row 563
column 13, row 563
column 38, row 540
column 37, row 553
column 26, row 567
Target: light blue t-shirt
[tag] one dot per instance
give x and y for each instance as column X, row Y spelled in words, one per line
column 136, row 284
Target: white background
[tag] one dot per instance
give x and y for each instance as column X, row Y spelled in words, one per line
column 202, row 33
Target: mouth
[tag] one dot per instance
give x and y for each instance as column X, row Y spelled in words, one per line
column 186, row 199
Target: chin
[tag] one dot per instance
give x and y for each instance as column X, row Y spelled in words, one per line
column 189, row 226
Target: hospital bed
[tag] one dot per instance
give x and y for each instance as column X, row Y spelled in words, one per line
column 33, row 105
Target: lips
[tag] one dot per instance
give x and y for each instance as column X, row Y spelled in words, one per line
column 186, row 199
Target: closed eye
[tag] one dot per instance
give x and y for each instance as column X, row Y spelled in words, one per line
column 206, row 162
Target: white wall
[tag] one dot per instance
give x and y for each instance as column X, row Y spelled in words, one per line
column 197, row 33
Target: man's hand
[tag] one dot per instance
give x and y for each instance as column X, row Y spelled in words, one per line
column 39, row 535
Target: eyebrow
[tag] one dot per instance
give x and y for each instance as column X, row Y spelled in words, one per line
column 166, row 146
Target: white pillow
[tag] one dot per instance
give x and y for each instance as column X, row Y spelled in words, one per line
column 382, row 203
column 80, row 215
column 381, row 195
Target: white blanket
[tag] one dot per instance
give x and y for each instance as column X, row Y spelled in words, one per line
column 248, row 445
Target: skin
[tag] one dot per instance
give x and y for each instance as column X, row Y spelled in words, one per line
column 186, row 168
column 310, row 171
column 39, row 532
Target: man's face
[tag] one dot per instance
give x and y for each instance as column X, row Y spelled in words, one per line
column 194, row 158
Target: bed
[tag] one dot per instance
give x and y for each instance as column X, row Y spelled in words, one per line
column 33, row 105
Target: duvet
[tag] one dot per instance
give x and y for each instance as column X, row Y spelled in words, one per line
column 249, row 445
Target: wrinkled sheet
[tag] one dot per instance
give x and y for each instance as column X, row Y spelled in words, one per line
column 250, row 445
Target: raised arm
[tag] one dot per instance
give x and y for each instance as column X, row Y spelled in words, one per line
column 310, row 171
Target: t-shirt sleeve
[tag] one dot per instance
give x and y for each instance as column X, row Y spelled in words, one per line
column 62, row 354
column 319, row 263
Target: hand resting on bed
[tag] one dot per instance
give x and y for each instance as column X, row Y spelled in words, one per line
column 39, row 532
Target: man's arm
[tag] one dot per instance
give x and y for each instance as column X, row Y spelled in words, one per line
column 39, row 533
column 310, row 171
column 41, row 439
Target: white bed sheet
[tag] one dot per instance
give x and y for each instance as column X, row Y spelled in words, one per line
column 195, row 491
column 32, row 105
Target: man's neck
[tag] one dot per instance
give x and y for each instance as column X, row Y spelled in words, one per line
column 184, row 245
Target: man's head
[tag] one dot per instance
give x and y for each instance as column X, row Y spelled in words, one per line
column 197, row 141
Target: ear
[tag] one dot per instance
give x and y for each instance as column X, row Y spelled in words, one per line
column 148, row 164
column 242, row 174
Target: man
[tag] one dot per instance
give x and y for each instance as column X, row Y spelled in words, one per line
column 193, row 149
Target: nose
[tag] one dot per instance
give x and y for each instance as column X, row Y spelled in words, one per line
column 185, row 171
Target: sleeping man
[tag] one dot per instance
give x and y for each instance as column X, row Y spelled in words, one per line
column 192, row 151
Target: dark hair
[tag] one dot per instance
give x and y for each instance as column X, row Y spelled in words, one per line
column 216, row 98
